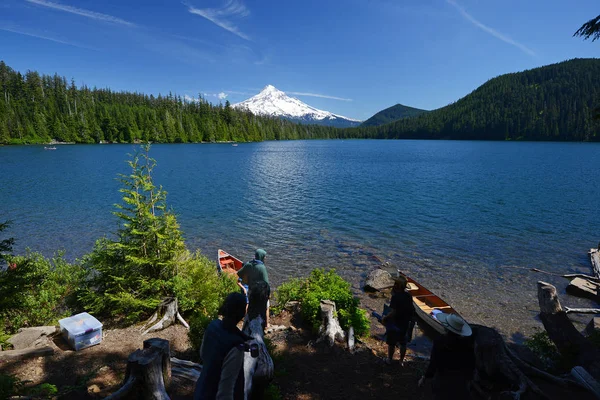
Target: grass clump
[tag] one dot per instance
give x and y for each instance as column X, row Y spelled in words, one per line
column 324, row 285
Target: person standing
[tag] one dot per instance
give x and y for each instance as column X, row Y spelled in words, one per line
column 254, row 275
column 452, row 362
column 222, row 354
column 398, row 320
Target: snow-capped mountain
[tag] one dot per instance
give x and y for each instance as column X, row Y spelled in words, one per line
column 275, row 103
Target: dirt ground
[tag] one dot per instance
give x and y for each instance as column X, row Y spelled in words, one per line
column 303, row 370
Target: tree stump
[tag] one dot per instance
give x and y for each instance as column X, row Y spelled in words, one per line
column 168, row 310
column 569, row 341
column 330, row 329
column 595, row 260
column 148, row 372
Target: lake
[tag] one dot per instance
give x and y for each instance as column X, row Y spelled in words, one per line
column 467, row 219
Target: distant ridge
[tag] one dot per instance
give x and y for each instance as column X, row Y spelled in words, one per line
column 392, row 114
column 554, row 103
column 272, row 102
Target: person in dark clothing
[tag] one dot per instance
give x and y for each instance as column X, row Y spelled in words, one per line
column 452, row 362
column 254, row 275
column 222, row 354
column 397, row 321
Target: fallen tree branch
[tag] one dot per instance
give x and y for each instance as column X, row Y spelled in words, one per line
column 569, row 310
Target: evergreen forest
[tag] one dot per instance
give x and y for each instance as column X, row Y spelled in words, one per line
column 554, row 102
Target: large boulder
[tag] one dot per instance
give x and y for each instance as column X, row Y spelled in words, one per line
column 31, row 337
column 378, row 279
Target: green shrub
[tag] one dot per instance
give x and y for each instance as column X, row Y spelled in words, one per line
column 38, row 291
column 201, row 291
column 541, row 345
column 8, row 386
column 324, row 285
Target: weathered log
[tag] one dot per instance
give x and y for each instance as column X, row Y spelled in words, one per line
column 587, row 381
column 259, row 371
column 176, row 362
column 183, row 369
column 569, row 310
column 330, row 329
column 148, row 372
column 584, row 288
column 168, row 310
column 583, row 276
column 30, row 352
column 190, row 374
column 561, row 331
column 595, row 260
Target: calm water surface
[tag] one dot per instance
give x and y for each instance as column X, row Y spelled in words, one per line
column 456, row 215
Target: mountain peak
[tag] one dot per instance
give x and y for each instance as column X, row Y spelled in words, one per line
column 275, row 103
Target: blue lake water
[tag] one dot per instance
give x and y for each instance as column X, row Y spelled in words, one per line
column 459, row 216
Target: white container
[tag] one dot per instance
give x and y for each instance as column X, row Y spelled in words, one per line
column 81, row 330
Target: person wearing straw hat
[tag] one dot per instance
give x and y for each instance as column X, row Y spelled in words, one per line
column 452, row 362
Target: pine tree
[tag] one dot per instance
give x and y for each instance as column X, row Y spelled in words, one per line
column 133, row 273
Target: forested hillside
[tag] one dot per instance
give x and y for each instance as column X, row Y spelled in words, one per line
column 554, row 102
column 392, row 114
column 37, row 108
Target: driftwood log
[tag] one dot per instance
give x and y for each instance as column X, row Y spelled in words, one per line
column 569, row 341
column 330, row 329
column 259, row 371
column 30, row 352
column 168, row 312
column 148, row 372
column 584, row 288
column 595, row 260
column 183, row 369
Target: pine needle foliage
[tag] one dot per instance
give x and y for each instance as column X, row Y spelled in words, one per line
column 130, row 275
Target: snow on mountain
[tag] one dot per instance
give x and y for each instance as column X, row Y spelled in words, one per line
column 275, row 103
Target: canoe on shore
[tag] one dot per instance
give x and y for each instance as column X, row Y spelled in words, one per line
column 425, row 302
column 228, row 263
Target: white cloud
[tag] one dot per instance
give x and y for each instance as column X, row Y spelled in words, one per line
column 489, row 30
column 190, row 99
column 323, row 96
column 82, row 12
column 222, row 96
column 36, row 35
column 220, row 16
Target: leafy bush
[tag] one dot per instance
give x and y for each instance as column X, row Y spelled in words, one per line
column 8, row 386
column 201, row 290
column 37, row 291
column 541, row 345
column 324, row 285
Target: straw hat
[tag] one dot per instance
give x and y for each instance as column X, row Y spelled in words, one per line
column 455, row 324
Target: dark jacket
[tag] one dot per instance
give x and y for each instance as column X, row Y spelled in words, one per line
column 451, row 366
column 218, row 340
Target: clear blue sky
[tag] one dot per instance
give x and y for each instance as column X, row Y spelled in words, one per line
column 356, row 56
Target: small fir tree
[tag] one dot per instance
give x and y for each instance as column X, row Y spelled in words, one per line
column 129, row 276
